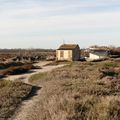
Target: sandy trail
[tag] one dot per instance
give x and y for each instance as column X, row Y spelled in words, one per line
column 22, row 112
column 24, row 77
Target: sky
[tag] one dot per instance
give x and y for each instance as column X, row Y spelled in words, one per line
column 49, row 23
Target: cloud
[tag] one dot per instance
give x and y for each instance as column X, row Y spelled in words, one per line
column 36, row 20
column 30, row 7
column 108, row 20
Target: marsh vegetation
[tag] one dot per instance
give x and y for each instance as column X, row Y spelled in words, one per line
column 78, row 92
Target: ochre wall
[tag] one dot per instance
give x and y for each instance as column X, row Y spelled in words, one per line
column 67, row 55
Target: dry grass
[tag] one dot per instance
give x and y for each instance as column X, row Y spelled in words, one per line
column 76, row 92
column 11, row 95
column 15, row 70
column 37, row 77
column 10, row 64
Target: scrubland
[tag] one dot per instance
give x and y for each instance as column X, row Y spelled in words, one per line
column 11, row 95
column 15, row 68
column 79, row 91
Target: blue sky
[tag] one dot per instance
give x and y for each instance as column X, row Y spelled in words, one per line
column 46, row 23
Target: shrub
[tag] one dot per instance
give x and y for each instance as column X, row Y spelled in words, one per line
column 114, row 110
column 108, row 72
column 110, row 64
column 11, row 95
column 75, row 92
column 17, row 70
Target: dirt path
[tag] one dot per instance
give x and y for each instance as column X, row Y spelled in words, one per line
column 22, row 112
column 24, row 77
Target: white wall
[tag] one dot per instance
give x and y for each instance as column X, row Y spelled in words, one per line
column 93, row 56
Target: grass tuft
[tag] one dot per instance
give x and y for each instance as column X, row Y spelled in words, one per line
column 11, row 95
column 37, row 77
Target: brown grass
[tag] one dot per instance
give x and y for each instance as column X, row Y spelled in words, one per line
column 37, row 77
column 11, row 95
column 76, row 92
column 10, row 64
column 15, row 70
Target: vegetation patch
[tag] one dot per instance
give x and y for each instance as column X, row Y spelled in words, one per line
column 76, row 92
column 15, row 70
column 38, row 76
column 11, row 95
column 114, row 110
column 111, row 69
column 10, row 64
column 110, row 64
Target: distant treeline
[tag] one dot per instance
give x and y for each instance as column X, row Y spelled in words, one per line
column 14, row 51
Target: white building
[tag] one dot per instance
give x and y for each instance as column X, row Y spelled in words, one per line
column 69, row 52
column 98, row 54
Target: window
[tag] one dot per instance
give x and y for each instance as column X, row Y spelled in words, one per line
column 61, row 53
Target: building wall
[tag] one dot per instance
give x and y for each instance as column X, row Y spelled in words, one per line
column 76, row 54
column 93, row 56
column 67, row 55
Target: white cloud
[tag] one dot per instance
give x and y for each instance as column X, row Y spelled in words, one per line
column 30, row 7
column 82, row 21
column 37, row 22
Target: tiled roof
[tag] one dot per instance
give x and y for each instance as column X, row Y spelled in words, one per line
column 67, row 47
